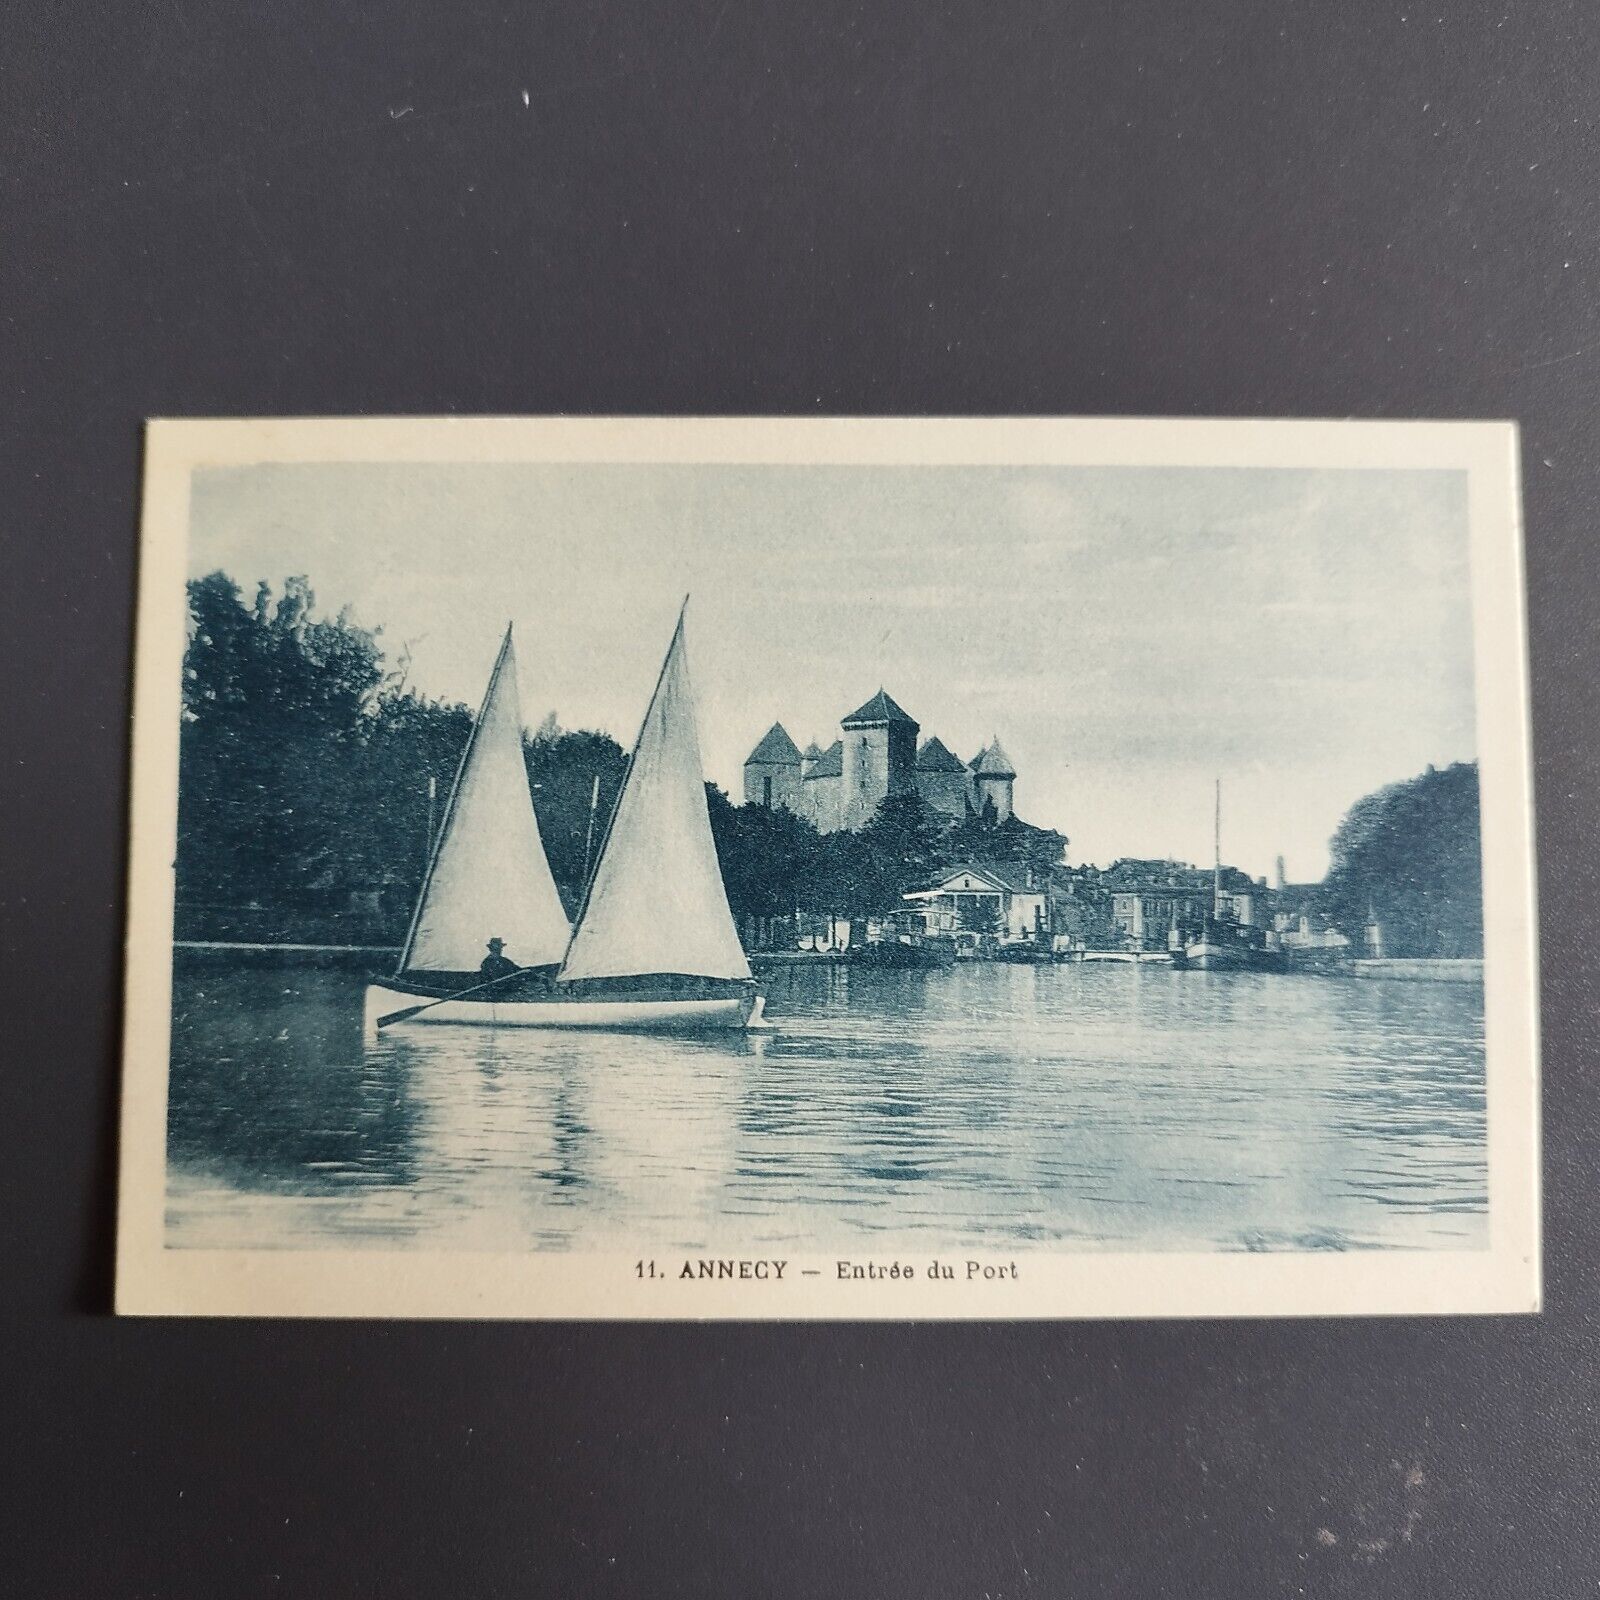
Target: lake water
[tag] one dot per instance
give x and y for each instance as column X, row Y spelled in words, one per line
column 1078, row 1107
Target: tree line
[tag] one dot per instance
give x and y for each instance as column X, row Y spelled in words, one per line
column 1410, row 857
column 313, row 776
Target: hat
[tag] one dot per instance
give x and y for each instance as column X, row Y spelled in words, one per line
column 497, row 945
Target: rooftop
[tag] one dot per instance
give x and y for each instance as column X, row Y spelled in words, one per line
column 993, row 762
column 830, row 764
column 878, row 712
column 1003, row 875
column 934, row 756
column 775, row 746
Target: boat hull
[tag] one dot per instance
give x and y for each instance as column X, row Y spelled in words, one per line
column 618, row 1015
column 1205, row 956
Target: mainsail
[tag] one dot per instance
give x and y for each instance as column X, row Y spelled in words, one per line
column 657, row 904
column 489, row 877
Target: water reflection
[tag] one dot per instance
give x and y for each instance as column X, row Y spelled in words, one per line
column 1093, row 1107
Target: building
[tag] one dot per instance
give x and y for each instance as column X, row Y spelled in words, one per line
column 879, row 758
column 993, row 780
column 943, row 780
column 877, row 754
column 982, row 898
column 1149, row 899
column 1305, row 932
column 772, row 774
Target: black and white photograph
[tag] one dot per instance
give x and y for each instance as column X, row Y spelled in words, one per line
column 787, row 870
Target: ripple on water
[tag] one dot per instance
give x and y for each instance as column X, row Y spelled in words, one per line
column 1085, row 1107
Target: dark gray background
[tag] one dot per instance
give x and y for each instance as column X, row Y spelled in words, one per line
column 1269, row 208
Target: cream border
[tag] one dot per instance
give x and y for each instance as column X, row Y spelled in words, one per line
column 1503, row 1278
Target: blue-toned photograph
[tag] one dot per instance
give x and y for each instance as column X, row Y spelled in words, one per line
column 809, row 856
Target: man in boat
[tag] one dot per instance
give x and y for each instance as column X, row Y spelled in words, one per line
column 497, row 964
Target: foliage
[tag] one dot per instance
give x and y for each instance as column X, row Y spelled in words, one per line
column 306, row 767
column 275, row 707
column 981, row 914
column 773, row 862
column 1410, row 854
column 983, row 837
column 562, row 769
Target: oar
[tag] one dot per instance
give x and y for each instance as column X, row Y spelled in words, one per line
column 428, row 1005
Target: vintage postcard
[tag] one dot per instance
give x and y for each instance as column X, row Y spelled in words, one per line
column 830, row 869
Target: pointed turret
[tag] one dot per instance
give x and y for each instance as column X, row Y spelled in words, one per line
column 775, row 745
column 772, row 770
column 993, row 779
column 993, row 762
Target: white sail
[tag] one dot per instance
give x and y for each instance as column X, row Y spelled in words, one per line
column 657, row 904
column 489, row 877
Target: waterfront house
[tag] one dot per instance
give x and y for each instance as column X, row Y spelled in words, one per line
column 982, row 898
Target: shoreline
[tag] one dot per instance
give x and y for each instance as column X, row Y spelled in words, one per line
column 1408, row 969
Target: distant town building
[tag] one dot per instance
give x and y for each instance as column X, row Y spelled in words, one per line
column 1148, row 900
column 875, row 755
column 1307, row 932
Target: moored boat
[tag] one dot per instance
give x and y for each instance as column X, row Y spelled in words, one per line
column 1224, row 943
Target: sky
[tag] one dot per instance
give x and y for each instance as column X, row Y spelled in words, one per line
column 1129, row 634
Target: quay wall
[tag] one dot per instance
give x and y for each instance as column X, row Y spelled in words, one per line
column 1420, row 970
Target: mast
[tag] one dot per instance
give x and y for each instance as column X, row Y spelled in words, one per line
column 588, row 838
column 1216, row 843
column 437, row 843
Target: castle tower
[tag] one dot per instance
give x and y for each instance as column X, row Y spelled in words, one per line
column 942, row 780
column 772, row 771
column 879, row 758
column 993, row 778
column 821, row 777
column 1280, row 879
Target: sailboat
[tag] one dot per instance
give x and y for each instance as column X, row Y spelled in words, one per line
column 654, row 945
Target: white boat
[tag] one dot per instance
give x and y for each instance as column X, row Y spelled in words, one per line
column 1208, row 952
column 654, row 946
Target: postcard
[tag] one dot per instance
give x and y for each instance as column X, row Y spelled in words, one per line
column 830, row 868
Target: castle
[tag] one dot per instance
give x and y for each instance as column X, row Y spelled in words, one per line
column 876, row 755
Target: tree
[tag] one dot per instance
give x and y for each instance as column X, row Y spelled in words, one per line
column 562, row 769
column 313, row 779
column 982, row 836
column 902, row 847
column 275, row 704
column 980, row 913
column 1411, row 855
column 770, row 858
